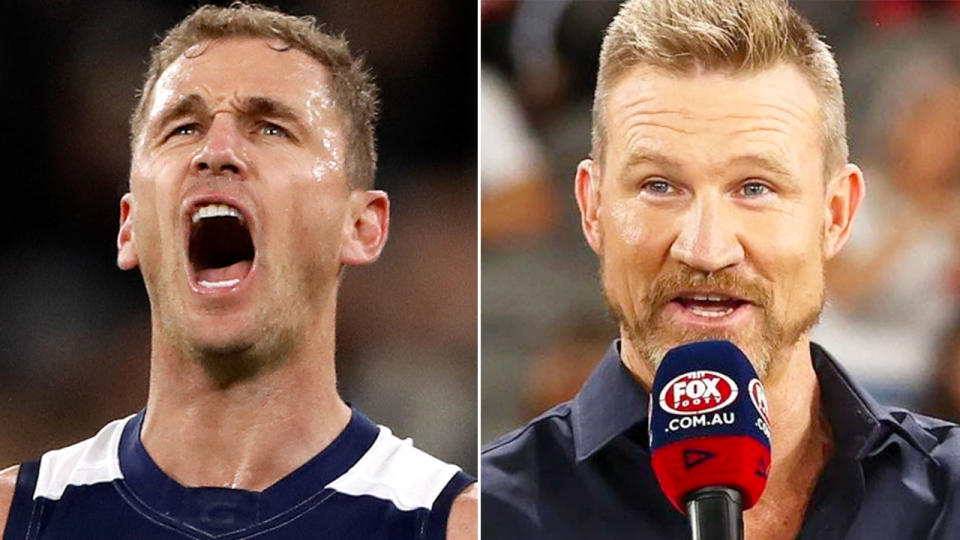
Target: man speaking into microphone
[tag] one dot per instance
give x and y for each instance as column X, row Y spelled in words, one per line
column 716, row 190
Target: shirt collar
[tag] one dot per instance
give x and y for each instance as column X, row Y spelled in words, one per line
column 612, row 401
column 856, row 419
column 862, row 427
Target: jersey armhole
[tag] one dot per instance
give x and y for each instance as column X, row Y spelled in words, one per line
column 21, row 507
column 436, row 528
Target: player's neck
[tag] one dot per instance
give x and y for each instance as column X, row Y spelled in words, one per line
column 247, row 434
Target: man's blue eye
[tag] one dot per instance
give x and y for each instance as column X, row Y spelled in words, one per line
column 658, row 186
column 186, row 129
column 755, row 189
column 273, row 130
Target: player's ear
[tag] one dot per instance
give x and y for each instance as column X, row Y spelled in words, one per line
column 126, row 248
column 587, row 191
column 844, row 193
column 365, row 232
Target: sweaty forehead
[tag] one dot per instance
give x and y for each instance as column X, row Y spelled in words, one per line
column 219, row 70
column 774, row 111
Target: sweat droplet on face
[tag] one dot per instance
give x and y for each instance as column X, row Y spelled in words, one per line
column 322, row 111
column 323, row 168
column 329, row 160
column 322, row 100
column 628, row 222
column 320, row 105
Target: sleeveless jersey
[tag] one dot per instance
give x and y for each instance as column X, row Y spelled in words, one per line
column 366, row 484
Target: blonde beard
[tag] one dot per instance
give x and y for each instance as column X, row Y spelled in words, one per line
column 651, row 341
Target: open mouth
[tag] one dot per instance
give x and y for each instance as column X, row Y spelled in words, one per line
column 220, row 249
column 711, row 306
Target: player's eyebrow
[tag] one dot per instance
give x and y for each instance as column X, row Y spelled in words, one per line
column 191, row 104
column 255, row 107
column 251, row 107
column 267, row 107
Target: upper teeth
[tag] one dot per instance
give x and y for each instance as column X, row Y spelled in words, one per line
column 710, row 298
column 215, row 210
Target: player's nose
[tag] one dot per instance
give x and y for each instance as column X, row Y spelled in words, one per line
column 223, row 149
column 707, row 240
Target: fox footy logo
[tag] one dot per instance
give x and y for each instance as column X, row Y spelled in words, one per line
column 698, row 392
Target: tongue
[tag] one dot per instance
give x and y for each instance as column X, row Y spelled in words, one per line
column 235, row 271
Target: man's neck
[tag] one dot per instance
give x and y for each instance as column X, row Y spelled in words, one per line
column 801, row 441
column 801, row 444
column 249, row 434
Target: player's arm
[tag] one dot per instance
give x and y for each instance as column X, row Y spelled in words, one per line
column 8, row 483
column 462, row 523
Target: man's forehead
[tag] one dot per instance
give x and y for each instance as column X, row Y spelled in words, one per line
column 779, row 90
column 232, row 68
column 775, row 108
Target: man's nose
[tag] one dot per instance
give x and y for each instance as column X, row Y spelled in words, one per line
column 223, row 149
column 708, row 239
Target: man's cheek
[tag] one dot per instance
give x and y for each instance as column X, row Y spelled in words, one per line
column 627, row 289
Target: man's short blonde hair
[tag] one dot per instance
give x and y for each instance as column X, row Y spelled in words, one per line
column 354, row 91
column 735, row 36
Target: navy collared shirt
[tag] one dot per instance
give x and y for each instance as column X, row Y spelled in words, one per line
column 582, row 469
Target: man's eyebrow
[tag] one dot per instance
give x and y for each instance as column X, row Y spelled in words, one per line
column 267, row 107
column 646, row 156
column 762, row 161
column 191, row 104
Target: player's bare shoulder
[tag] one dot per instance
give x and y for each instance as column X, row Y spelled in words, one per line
column 8, row 483
column 462, row 523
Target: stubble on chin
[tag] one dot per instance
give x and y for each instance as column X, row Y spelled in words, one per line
column 260, row 348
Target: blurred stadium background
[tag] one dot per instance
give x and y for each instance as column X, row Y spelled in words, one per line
column 894, row 296
column 74, row 330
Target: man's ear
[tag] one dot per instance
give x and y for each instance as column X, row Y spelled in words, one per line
column 845, row 191
column 126, row 247
column 365, row 232
column 587, row 192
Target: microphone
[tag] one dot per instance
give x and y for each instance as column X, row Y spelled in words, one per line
column 710, row 436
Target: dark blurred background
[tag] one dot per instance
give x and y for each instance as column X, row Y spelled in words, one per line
column 74, row 330
column 893, row 314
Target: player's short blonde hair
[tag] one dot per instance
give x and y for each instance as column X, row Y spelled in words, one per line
column 735, row 36
column 354, row 91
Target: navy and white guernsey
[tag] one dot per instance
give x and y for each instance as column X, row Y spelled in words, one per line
column 366, row 484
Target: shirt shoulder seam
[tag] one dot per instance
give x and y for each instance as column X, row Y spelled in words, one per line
column 558, row 412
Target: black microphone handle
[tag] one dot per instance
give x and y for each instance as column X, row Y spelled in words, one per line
column 716, row 513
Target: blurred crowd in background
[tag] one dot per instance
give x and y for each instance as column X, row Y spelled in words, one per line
column 74, row 330
column 893, row 311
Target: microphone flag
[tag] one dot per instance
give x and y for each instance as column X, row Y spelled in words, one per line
column 709, row 424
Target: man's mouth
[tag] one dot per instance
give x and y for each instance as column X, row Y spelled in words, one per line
column 708, row 307
column 221, row 249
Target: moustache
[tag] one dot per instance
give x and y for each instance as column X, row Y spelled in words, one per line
column 668, row 287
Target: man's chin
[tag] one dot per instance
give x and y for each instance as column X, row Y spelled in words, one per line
column 222, row 348
column 238, row 353
column 653, row 346
column 220, row 336
column 217, row 333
